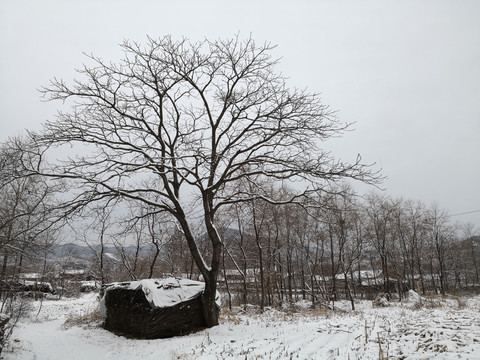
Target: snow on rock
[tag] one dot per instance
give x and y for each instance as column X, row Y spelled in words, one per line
column 161, row 293
column 381, row 300
column 414, row 297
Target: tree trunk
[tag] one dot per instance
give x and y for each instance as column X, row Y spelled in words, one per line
column 262, row 276
column 420, row 273
column 154, row 260
column 245, row 275
column 477, row 276
column 227, row 287
column 210, row 309
column 333, row 270
column 349, row 290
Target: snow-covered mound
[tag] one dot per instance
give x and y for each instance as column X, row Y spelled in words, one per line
column 162, row 293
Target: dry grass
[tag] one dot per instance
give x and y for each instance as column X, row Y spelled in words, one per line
column 230, row 316
column 430, row 302
column 461, row 302
column 91, row 319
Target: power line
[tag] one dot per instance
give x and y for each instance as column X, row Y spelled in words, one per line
column 464, row 213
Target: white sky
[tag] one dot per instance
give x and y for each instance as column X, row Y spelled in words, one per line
column 406, row 72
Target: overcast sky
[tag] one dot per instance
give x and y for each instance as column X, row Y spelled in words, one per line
column 406, row 72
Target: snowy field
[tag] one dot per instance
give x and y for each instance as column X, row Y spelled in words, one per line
column 435, row 329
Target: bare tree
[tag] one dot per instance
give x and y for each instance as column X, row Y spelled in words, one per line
column 26, row 206
column 144, row 233
column 97, row 235
column 470, row 235
column 381, row 232
column 176, row 124
column 411, row 227
column 441, row 234
column 28, row 225
column 239, row 249
column 28, row 215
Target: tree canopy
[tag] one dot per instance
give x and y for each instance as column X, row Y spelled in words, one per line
column 176, row 118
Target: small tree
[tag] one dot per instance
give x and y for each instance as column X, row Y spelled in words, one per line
column 177, row 124
column 144, row 233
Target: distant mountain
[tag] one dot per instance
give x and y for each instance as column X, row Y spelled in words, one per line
column 75, row 251
column 86, row 252
column 82, row 253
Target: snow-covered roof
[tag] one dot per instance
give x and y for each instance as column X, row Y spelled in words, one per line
column 233, row 272
column 161, row 293
column 34, row 284
column 29, row 276
column 74, row 272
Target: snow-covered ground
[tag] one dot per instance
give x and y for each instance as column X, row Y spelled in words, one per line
column 440, row 329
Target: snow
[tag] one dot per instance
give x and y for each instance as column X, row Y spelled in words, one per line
column 74, row 272
column 161, row 293
column 34, row 284
column 111, row 256
column 414, row 297
column 440, row 328
column 30, row 276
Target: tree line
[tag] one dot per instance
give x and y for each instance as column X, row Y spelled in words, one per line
column 346, row 247
column 351, row 247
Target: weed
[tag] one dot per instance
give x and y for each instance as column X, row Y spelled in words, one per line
column 461, row 302
column 433, row 302
column 174, row 355
column 230, row 317
column 418, row 305
column 93, row 318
